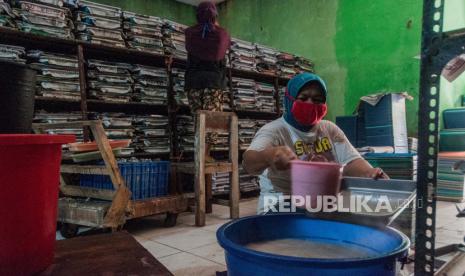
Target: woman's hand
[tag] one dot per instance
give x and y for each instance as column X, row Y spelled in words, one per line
column 281, row 158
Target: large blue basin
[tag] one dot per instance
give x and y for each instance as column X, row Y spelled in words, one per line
column 389, row 246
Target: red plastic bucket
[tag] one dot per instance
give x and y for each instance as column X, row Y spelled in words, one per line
column 315, row 179
column 29, row 178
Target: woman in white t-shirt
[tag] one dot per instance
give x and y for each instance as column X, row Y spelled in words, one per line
column 301, row 134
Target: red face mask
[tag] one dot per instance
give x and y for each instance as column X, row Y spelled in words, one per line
column 308, row 114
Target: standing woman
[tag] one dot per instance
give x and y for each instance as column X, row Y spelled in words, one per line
column 205, row 79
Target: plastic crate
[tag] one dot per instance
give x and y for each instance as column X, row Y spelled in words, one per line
column 454, row 118
column 348, row 124
column 452, row 140
column 144, row 179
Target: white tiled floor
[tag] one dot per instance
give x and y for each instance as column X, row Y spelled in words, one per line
column 189, row 250
column 186, row 249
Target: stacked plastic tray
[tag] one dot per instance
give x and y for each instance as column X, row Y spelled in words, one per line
column 348, row 125
column 58, row 75
column 244, row 93
column 43, row 17
column 185, row 133
column 220, row 183
column 303, row 65
column 44, row 117
column 396, row 165
column 174, row 41
column 180, row 94
column 242, row 55
column 247, row 182
column 6, row 15
column 247, row 130
column 143, row 32
column 12, row 53
column 109, row 81
column 150, row 84
column 152, row 134
column 145, row 179
column 451, row 181
column 119, row 126
column 227, row 100
column 266, row 59
column 266, row 101
column 286, row 65
column 99, row 24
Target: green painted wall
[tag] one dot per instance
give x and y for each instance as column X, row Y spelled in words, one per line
column 359, row 47
column 168, row 9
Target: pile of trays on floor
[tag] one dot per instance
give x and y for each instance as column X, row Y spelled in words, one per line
column 396, row 165
column 265, row 96
column 152, row 134
column 57, row 75
column 185, row 133
column 247, row 130
column 42, row 17
column 150, row 84
column 143, row 32
column 451, row 176
column 109, row 81
column 266, row 59
column 286, row 65
column 7, row 17
column 12, row 53
column 118, row 126
column 174, row 41
column 242, row 55
column 99, row 24
column 45, row 117
column 244, row 94
column 180, row 94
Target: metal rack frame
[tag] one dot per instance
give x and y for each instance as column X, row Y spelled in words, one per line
column 437, row 48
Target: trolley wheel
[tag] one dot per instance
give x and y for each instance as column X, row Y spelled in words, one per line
column 69, row 230
column 170, row 220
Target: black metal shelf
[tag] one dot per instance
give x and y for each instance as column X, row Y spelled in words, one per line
column 56, row 104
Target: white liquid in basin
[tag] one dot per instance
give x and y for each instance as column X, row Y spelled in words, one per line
column 311, row 249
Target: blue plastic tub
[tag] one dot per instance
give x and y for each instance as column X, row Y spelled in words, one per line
column 390, row 245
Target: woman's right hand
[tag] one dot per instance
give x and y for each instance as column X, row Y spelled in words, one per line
column 281, row 157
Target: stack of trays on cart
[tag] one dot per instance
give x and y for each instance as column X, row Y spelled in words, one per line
column 174, row 42
column 109, row 81
column 43, row 17
column 152, row 134
column 143, row 32
column 118, row 126
column 99, row 24
column 150, row 84
column 242, row 55
column 57, row 75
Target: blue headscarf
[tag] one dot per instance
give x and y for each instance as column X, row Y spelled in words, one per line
column 293, row 88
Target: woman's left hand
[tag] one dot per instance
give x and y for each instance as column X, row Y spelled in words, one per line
column 378, row 173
